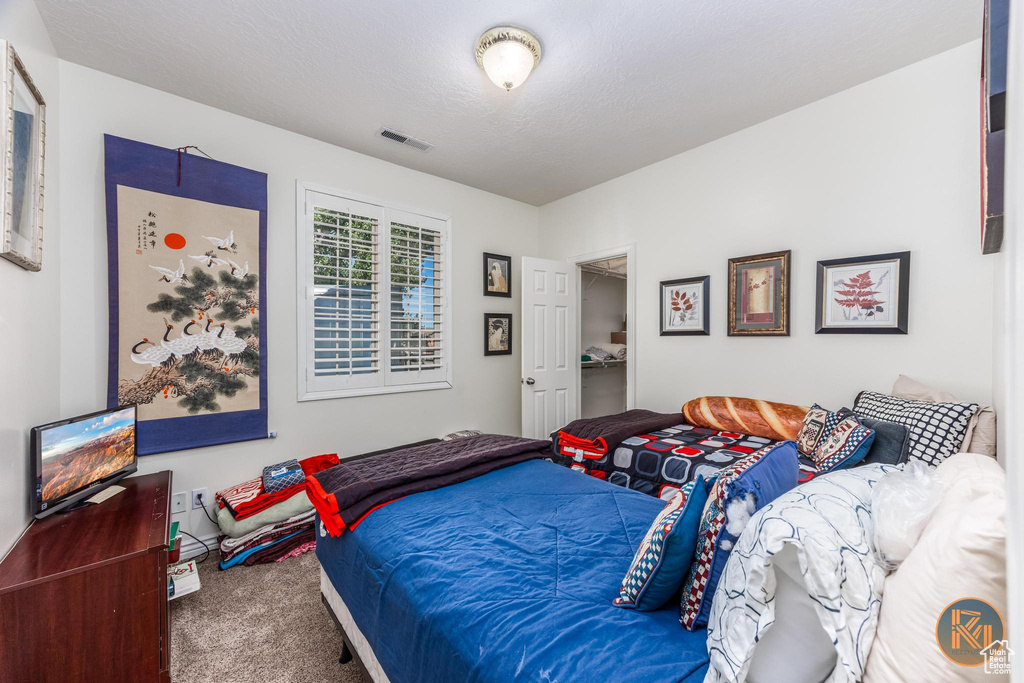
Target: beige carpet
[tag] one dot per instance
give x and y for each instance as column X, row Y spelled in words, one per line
column 262, row 623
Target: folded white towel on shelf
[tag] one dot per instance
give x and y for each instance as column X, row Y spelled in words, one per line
column 617, row 350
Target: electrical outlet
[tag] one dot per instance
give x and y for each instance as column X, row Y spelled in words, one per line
column 178, row 502
column 196, row 502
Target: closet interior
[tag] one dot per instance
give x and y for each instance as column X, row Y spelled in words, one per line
column 603, row 355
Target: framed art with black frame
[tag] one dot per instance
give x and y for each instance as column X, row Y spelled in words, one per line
column 497, row 275
column 497, row 334
column 863, row 295
column 684, row 306
column 759, row 295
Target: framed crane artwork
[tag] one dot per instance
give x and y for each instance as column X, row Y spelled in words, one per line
column 186, row 249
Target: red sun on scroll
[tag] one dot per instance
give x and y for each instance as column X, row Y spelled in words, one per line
column 174, row 240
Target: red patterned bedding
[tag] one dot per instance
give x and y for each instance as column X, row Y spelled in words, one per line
column 660, row 462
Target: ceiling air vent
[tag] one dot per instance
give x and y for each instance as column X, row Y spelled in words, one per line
column 404, row 139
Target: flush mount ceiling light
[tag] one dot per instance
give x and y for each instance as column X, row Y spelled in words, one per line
column 508, row 54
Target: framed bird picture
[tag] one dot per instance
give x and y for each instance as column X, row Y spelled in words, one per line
column 187, row 262
column 684, row 306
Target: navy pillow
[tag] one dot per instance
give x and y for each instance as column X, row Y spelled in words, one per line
column 892, row 442
column 665, row 554
column 750, row 483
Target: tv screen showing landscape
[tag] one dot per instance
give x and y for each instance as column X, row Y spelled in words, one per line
column 78, row 454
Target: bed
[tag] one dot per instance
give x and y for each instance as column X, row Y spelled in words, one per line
column 507, row 576
column 480, row 559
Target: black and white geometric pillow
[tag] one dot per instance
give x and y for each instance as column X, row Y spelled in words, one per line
column 936, row 429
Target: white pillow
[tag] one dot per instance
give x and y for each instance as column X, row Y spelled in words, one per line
column 981, row 432
column 961, row 554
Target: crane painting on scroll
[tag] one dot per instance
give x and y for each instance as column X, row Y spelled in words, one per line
column 187, row 290
column 759, row 294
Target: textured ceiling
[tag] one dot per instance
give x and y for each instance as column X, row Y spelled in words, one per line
column 621, row 85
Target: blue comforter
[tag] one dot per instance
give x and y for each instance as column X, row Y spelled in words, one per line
column 510, row 576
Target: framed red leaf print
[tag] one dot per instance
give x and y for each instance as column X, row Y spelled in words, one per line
column 684, row 306
column 863, row 295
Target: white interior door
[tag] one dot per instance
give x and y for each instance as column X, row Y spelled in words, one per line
column 550, row 356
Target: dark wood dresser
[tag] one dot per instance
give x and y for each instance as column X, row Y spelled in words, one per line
column 83, row 596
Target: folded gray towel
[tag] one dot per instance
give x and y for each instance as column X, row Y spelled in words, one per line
column 598, row 353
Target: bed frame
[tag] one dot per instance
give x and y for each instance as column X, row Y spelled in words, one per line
column 354, row 645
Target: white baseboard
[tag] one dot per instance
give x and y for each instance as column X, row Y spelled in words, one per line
column 191, row 548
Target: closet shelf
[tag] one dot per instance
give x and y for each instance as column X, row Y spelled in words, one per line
column 601, row 363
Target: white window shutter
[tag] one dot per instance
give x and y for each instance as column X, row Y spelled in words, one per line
column 344, row 307
column 416, row 311
column 374, row 285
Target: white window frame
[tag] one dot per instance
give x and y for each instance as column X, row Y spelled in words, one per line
column 390, row 383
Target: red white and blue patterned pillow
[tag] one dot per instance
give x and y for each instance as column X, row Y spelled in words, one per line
column 833, row 440
column 846, row 445
column 665, row 554
column 741, row 488
column 814, row 430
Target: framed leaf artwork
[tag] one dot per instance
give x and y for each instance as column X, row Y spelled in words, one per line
column 863, row 295
column 759, row 295
column 684, row 306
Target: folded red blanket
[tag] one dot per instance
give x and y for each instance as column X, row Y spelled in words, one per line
column 318, row 463
column 345, row 494
column 593, row 438
column 248, row 498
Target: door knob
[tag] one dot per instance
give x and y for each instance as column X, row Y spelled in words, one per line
column 530, row 381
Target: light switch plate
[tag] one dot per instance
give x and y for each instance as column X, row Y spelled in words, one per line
column 178, row 502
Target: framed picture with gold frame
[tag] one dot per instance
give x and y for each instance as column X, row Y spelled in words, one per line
column 759, row 295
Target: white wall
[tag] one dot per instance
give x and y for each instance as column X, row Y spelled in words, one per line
column 886, row 166
column 97, row 103
column 602, row 309
column 1009, row 340
column 30, row 302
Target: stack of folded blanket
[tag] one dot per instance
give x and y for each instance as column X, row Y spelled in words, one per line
column 269, row 518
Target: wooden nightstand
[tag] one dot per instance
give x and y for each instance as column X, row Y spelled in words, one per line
column 83, row 596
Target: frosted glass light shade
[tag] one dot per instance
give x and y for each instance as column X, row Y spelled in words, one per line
column 508, row 64
column 508, row 55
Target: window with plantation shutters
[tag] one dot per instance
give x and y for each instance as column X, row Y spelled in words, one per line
column 374, row 283
column 416, row 316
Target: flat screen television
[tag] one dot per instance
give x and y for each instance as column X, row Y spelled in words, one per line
column 77, row 458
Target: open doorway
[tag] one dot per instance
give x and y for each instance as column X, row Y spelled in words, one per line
column 605, row 372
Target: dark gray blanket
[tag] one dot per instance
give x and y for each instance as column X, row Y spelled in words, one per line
column 597, row 436
column 349, row 490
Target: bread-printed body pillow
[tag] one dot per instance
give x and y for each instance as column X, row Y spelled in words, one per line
column 779, row 421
